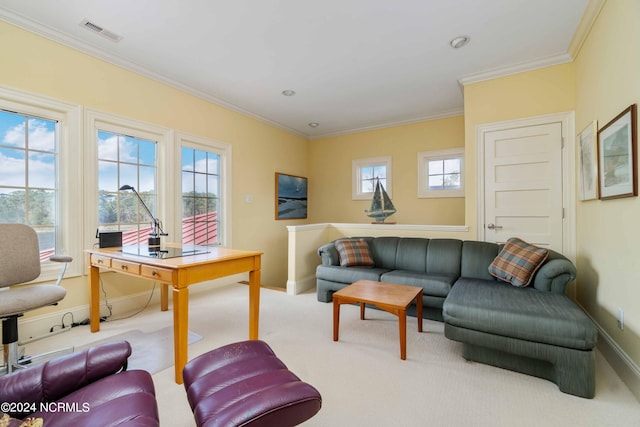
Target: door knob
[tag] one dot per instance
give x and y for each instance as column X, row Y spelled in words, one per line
column 494, row 227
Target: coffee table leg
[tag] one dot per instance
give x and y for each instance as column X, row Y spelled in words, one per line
column 402, row 322
column 361, row 311
column 336, row 318
column 419, row 311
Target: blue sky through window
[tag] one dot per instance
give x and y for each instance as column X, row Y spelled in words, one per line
column 22, row 139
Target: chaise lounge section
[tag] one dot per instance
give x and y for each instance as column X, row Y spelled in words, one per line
column 533, row 328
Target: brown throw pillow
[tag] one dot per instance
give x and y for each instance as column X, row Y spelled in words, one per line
column 517, row 262
column 354, row 253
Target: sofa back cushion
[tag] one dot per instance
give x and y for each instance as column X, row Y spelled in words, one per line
column 383, row 250
column 443, row 257
column 476, row 259
column 412, row 254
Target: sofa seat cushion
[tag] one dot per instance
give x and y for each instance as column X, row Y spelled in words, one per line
column 339, row 274
column 522, row 313
column 432, row 284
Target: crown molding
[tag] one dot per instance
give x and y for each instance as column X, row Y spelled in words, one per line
column 515, row 69
column 417, row 119
column 591, row 13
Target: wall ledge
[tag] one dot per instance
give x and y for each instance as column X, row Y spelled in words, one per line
column 412, row 227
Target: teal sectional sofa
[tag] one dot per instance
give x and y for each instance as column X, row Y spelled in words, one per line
column 536, row 330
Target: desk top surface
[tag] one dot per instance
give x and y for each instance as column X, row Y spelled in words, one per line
column 212, row 254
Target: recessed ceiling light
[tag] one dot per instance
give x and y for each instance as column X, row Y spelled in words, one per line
column 314, row 124
column 459, row 41
column 288, row 92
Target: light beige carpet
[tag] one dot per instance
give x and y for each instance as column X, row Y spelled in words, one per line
column 361, row 378
column 151, row 351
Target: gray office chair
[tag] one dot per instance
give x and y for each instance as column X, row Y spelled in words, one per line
column 20, row 263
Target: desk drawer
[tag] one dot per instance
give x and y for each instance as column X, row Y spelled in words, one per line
column 126, row 266
column 100, row 261
column 157, row 273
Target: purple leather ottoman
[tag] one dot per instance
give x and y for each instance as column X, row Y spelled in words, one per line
column 245, row 384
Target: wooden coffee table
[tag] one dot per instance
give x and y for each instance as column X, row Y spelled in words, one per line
column 386, row 296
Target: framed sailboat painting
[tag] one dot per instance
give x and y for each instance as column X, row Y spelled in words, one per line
column 291, row 196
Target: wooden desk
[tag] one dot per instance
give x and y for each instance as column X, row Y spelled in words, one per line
column 180, row 273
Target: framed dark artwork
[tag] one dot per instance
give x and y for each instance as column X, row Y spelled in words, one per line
column 617, row 154
column 588, row 162
column 291, row 196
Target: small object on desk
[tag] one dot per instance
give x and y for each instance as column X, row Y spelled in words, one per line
column 109, row 239
column 156, row 230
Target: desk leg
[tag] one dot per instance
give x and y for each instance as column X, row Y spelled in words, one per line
column 180, row 330
column 94, row 298
column 164, row 296
column 254, row 303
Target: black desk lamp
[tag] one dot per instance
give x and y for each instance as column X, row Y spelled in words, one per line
column 156, row 231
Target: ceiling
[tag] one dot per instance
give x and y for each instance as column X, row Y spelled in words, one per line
column 353, row 64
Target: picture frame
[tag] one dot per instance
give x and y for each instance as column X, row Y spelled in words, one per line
column 617, row 154
column 291, row 196
column 588, row 162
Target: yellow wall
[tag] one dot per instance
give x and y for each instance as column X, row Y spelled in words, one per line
column 607, row 82
column 41, row 66
column 330, row 173
column 602, row 81
column 534, row 93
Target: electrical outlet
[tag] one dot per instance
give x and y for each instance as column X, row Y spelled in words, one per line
column 620, row 318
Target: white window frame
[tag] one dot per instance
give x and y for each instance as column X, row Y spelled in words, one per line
column 97, row 120
column 69, row 174
column 424, row 158
column 356, row 176
column 224, row 150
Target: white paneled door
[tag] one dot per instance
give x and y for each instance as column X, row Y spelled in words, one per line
column 523, row 184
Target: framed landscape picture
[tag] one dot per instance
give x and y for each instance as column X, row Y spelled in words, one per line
column 588, row 162
column 291, row 196
column 617, row 153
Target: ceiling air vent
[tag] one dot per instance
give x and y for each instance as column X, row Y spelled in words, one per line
column 100, row 31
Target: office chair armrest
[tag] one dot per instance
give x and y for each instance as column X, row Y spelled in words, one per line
column 60, row 258
column 59, row 377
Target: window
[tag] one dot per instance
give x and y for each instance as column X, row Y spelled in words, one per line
column 126, row 160
column 35, row 173
column 365, row 174
column 203, row 190
column 200, row 196
column 441, row 173
column 122, row 151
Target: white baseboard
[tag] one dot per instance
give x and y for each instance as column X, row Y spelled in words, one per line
column 37, row 327
column 619, row 360
column 295, row 287
column 626, row 369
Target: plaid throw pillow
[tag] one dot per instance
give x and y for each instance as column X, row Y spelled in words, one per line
column 354, row 253
column 517, row 262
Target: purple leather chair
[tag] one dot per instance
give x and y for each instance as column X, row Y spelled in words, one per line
column 87, row 388
column 245, row 384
